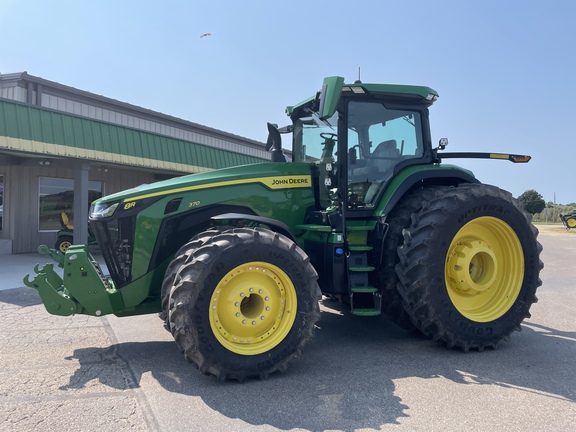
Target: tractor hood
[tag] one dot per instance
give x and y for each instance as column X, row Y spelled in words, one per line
column 271, row 175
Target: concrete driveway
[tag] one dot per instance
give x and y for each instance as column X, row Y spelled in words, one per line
column 357, row 374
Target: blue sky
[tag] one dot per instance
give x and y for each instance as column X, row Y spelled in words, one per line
column 505, row 70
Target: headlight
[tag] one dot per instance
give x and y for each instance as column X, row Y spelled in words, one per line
column 103, row 210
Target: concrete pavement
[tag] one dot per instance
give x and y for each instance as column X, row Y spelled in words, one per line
column 60, row 373
column 13, row 268
column 108, row 374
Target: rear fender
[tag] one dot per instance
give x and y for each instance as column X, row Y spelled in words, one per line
column 420, row 176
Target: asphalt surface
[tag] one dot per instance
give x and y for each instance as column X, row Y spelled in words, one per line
column 357, row 374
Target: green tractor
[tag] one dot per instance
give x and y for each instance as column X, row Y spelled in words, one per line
column 363, row 211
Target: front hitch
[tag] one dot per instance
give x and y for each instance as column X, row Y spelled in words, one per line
column 83, row 289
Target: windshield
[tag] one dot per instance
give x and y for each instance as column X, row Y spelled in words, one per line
column 308, row 144
column 379, row 139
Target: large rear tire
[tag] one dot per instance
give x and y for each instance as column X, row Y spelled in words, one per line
column 244, row 304
column 387, row 281
column 469, row 266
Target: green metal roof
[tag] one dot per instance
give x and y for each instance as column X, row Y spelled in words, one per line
column 37, row 130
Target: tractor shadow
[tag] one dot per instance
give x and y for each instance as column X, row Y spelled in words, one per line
column 348, row 377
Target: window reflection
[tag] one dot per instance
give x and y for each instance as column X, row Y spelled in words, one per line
column 57, row 196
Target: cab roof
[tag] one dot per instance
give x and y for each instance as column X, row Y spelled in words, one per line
column 419, row 95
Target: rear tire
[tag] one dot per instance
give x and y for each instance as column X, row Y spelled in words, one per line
column 469, row 266
column 244, row 304
column 387, row 280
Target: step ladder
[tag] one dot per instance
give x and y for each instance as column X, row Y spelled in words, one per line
column 365, row 300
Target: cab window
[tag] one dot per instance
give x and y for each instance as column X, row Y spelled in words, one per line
column 378, row 139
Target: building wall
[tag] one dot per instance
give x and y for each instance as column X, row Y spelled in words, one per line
column 149, row 125
column 21, row 184
column 47, row 129
column 13, row 93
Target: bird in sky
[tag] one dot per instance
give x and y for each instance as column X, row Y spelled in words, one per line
column 205, row 34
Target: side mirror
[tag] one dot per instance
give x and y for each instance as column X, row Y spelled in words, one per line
column 274, row 143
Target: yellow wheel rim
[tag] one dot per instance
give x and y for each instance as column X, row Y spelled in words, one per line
column 484, row 269
column 253, row 308
column 64, row 246
column 571, row 223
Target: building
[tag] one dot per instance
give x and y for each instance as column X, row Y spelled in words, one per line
column 61, row 148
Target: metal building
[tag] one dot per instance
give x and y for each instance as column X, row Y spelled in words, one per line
column 61, row 148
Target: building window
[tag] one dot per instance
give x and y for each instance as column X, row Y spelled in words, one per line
column 57, row 196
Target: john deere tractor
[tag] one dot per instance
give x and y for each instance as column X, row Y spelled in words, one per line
column 362, row 210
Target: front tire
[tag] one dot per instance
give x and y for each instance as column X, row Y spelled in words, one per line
column 469, row 266
column 244, row 304
column 181, row 256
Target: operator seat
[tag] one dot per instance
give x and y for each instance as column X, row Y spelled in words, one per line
column 65, row 221
column 385, row 156
column 378, row 169
column 380, row 164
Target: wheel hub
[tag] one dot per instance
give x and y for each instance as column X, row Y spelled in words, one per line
column 484, row 269
column 472, row 267
column 253, row 308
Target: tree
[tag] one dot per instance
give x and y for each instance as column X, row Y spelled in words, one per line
column 532, row 201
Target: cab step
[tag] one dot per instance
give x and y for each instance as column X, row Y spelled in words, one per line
column 366, row 312
column 359, row 269
column 364, row 289
column 365, row 300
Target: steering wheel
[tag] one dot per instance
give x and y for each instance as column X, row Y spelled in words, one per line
column 328, row 136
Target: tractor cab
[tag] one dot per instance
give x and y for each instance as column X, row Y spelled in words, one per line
column 356, row 137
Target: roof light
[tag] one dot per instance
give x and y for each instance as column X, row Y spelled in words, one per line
column 356, row 90
column 432, row 97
